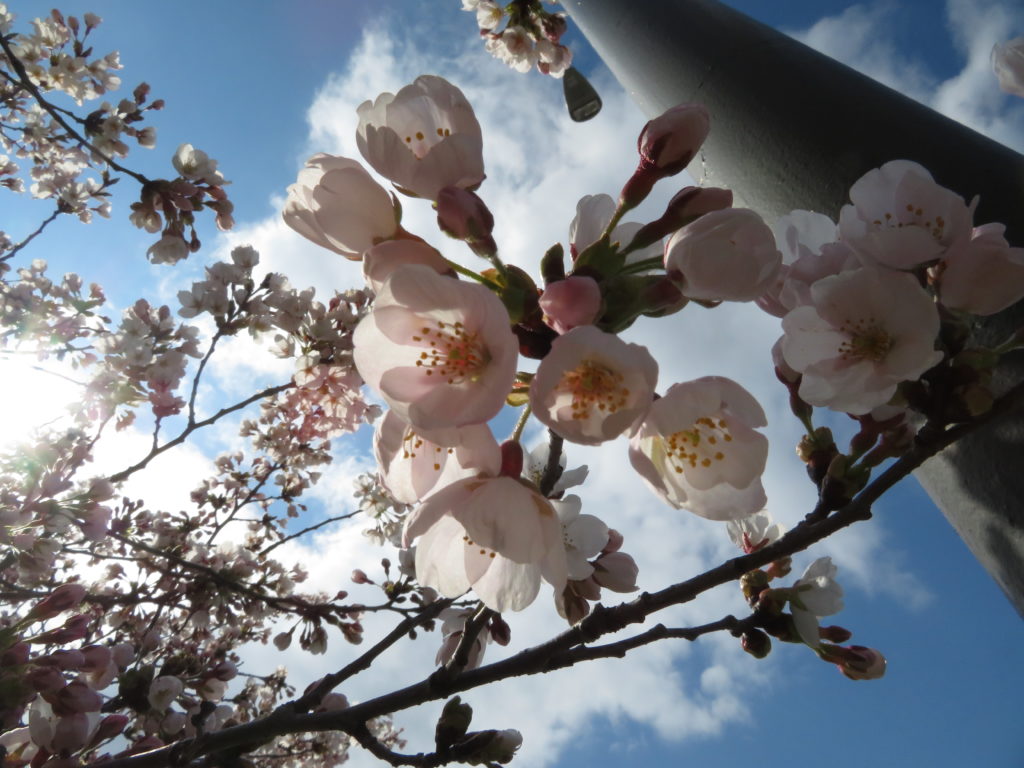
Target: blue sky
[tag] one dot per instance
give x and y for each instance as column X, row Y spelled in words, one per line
column 262, row 86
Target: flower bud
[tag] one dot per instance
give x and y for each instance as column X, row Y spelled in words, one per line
column 571, row 302
column 666, row 145
column 756, row 643
column 511, row 459
column 616, row 571
column 464, row 216
column 686, row 205
column 63, row 598
column 453, row 723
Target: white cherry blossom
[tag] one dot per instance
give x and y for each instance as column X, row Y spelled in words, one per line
column 336, row 204
column 438, row 350
column 985, row 276
column 816, row 594
column 496, row 535
column 593, row 386
column 1008, row 65
column 865, row 332
column 698, row 449
column 725, row 255
column 423, row 138
column 413, row 465
column 900, row 218
column 584, row 536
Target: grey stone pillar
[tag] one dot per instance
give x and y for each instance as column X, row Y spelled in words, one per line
column 792, row 128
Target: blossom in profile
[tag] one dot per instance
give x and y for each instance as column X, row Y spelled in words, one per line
column 698, row 449
column 423, row 138
column 495, row 535
column 593, row 212
column 593, row 386
column 900, row 218
column 336, row 204
column 814, row 595
column 865, row 331
column 985, row 276
column 384, row 258
column 755, row 532
column 438, row 350
column 413, row 465
column 584, row 536
column 1008, row 64
column 725, row 255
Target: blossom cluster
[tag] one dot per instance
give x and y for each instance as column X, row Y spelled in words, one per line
column 531, row 36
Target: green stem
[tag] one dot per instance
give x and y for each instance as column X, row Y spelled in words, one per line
column 517, row 433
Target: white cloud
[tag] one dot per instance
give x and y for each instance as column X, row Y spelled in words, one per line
column 863, row 37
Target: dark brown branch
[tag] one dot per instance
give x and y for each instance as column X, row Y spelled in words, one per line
column 39, row 230
column 26, row 82
column 124, row 474
column 306, row 530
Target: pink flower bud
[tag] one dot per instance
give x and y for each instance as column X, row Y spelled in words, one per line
column 72, row 732
column 359, row 577
column 66, row 660
column 511, row 459
column 74, row 628
column 110, row 726
column 861, row 663
column 686, row 205
column 75, row 697
column 616, row 571
column 63, row 598
column 15, row 655
column 225, row 671
column 666, row 145
column 45, row 679
column 670, row 141
column 571, row 302
column 283, row 640
column 614, row 542
column 464, row 216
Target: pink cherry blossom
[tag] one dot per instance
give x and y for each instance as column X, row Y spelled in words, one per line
column 384, row 258
column 866, row 331
column 412, row 465
column 571, row 302
column 593, row 386
column 1008, row 65
column 423, row 138
column 698, row 449
column 438, row 350
column 900, row 218
column 725, row 255
column 815, row 594
column 985, row 276
column 336, row 204
column 497, row 536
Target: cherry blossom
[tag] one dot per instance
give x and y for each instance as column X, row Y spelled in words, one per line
column 438, row 350
column 584, row 536
column 593, row 213
column 866, row 331
column 1008, row 65
column 983, row 277
column 810, row 251
column 336, row 204
column 496, row 535
column 412, row 465
column 593, row 386
column 752, row 533
column 570, row 303
column 814, row 595
column 384, row 258
column 900, row 218
column 698, row 449
column 423, row 138
column 725, row 255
